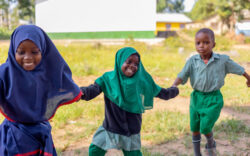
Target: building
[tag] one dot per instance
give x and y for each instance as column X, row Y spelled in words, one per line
column 80, row 19
column 214, row 22
column 168, row 23
column 243, row 26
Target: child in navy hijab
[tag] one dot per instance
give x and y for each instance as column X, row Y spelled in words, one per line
column 34, row 81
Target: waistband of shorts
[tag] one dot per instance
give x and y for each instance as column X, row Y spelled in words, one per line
column 206, row 93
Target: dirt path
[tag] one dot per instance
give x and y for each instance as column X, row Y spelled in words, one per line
column 183, row 146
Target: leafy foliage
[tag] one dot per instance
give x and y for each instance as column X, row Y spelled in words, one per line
column 229, row 11
column 202, row 9
column 170, row 5
column 27, row 9
column 13, row 10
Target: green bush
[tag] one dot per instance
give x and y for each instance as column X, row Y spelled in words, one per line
column 223, row 43
column 247, row 40
column 4, row 34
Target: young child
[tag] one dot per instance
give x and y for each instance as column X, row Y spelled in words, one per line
column 34, row 81
column 128, row 91
column 207, row 71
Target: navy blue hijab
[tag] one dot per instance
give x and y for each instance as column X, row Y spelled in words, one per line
column 33, row 96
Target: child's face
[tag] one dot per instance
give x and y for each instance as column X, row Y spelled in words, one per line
column 130, row 66
column 204, row 44
column 28, row 55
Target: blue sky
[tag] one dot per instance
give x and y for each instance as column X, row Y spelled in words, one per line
column 188, row 5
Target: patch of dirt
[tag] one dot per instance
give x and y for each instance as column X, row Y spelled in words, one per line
column 183, row 145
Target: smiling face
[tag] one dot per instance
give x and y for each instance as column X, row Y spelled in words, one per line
column 204, row 44
column 28, row 55
column 130, row 66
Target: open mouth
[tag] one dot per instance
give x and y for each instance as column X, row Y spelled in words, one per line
column 28, row 66
column 130, row 72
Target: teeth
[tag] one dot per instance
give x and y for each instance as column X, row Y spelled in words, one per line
column 28, row 64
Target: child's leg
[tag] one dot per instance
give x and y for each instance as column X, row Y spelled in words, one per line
column 211, row 145
column 196, row 143
column 96, row 151
column 132, row 153
column 195, row 122
column 210, row 140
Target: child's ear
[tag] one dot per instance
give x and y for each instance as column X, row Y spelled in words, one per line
column 214, row 45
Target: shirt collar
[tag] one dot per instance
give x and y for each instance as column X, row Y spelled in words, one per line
column 214, row 56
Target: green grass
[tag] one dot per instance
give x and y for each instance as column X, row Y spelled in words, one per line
column 3, row 53
column 5, row 34
column 145, row 152
column 160, row 126
column 233, row 129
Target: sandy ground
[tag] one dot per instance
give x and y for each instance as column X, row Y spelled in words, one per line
column 182, row 146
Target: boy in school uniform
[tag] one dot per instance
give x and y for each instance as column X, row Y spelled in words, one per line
column 207, row 71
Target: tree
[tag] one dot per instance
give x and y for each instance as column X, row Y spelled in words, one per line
column 202, row 9
column 170, row 5
column 4, row 8
column 231, row 11
column 27, row 10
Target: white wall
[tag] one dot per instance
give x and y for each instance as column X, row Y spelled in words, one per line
column 96, row 15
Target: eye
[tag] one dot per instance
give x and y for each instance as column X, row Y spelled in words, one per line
column 20, row 52
column 35, row 52
column 197, row 43
column 128, row 62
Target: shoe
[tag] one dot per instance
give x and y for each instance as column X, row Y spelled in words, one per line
column 210, row 151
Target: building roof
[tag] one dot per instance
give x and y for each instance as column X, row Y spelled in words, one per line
column 172, row 17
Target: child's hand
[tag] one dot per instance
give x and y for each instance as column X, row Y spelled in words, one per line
column 83, row 95
column 248, row 79
column 174, row 86
column 248, row 83
column 80, row 97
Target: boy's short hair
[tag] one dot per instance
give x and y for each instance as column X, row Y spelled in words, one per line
column 206, row 31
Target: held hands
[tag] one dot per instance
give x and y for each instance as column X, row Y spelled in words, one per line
column 80, row 97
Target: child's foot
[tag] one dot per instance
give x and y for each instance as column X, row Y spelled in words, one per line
column 211, row 151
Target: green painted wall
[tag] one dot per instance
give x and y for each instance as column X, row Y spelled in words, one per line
column 102, row 35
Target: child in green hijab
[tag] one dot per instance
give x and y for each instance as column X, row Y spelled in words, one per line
column 128, row 91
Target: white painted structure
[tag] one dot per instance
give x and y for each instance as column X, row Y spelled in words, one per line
column 96, row 15
column 172, row 18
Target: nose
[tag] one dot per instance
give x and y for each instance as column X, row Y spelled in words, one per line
column 134, row 67
column 27, row 56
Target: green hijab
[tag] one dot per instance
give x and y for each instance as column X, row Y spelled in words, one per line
column 133, row 94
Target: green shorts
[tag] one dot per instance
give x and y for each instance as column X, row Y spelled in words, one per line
column 205, row 109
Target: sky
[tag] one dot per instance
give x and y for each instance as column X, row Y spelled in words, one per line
column 188, row 5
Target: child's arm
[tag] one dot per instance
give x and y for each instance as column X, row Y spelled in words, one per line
column 168, row 93
column 248, row 78
column 183, row 75
column 177, row 82
column 235, row 68
column 90, row 92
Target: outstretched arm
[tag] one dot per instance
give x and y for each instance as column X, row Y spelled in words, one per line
column 168, row 93
column 177, row 82
column 248, row 78
column 90, row 92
